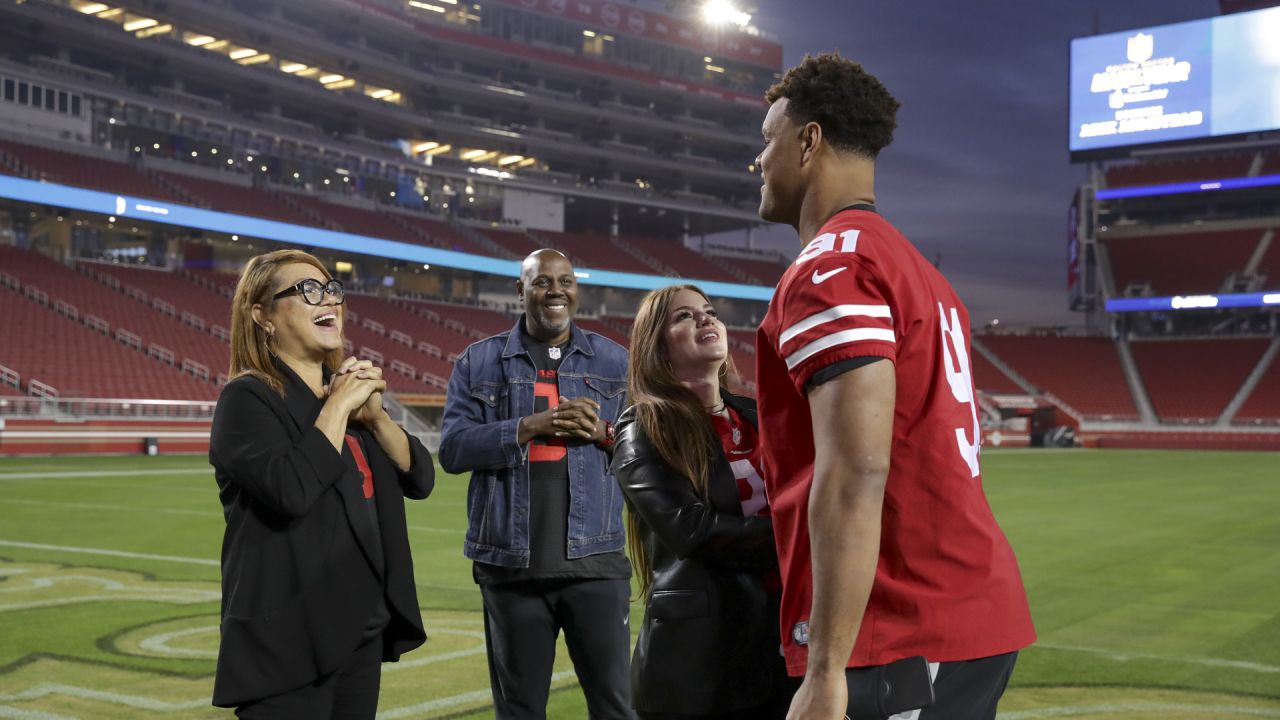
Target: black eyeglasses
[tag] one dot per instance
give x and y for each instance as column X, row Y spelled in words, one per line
column 312, row 291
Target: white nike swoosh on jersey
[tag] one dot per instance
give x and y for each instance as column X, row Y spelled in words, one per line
column 821, row 277
column 739, row 452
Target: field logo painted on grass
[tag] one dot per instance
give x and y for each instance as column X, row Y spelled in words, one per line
column 28, row 586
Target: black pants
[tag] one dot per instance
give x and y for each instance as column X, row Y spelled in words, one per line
column 349, row 693
column 964, row 690
column 774, row 707
column 521, row 623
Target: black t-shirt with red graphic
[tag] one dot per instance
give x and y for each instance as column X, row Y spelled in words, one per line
column 354, row 457
column 549, row 493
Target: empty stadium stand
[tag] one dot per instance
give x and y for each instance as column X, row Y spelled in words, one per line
column 127, row 312
column 761, row 272
column 593, row 251
column 1084, row 372
column 1180, row 170
column 1263, row 404
column 605, row 329
column 227, row 197
column 1270, row 265
column 185, row 294
column 1180, row 264
column 75, row 361
column 680, row 261
column 991, row 379
column 84, row 171
column 1193, row 380
column 516, row 242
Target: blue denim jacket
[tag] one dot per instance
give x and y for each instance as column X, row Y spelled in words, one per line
column 490, row 389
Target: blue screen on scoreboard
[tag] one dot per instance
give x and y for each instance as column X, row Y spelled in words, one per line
column 1204, row 78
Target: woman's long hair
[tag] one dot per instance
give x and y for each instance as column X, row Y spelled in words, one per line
column 670, row 414
column 252, row 348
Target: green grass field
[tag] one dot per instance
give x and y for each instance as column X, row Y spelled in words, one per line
column 1154, row 580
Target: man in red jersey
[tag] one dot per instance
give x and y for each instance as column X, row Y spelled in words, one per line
column 887, row 546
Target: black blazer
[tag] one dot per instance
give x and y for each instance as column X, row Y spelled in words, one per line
column 709, row 643
column 301, row 568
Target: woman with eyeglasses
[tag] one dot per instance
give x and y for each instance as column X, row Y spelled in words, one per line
column 317, row 580
column 686, row 456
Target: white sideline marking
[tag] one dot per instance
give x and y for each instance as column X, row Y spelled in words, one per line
column 452, row 701
column 112, row 553
column 104, row 473
column 95, row 506
column 1117, row 708
column 143, row 703
column 18, row 714
column 1121, row 656
column 173, row 558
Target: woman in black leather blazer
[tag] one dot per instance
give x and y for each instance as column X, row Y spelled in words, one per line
column 709, row 645
column 317, row 581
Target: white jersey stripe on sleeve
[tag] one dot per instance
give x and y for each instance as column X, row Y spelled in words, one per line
column 834, row 313
column 839, row 338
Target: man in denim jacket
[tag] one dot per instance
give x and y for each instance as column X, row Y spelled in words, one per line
column 529, row 413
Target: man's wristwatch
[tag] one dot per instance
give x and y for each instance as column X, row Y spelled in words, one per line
column 606, row 442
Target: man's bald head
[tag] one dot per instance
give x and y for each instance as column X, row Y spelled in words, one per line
column 534, row 261
column 549, row 291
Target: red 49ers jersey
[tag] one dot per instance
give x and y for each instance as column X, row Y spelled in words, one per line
column 947, row 584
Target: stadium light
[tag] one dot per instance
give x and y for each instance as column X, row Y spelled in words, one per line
column 721, row 12
column 242, row 53
column 425, row 6
column 140, row 24
column 156, row 30
column 92, row 8
column 292, row 67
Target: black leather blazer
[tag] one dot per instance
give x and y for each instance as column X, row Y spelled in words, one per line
column 710, row 637
column 301, row 571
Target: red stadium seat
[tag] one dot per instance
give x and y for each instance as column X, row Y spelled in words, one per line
column 1181, row 264
column 42, row 344
column 1182, row 170
column 1085, row 372
column 1263, row 404
column 1190, row 380
column 88, row 172
column 681, row 261
column 594, row 251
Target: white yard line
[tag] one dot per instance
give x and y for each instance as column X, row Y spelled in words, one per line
column 111, row 553
column 1122, row 656
column 1216, row 711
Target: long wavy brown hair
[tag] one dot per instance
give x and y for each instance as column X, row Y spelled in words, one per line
column 252, row 352
column 670, row 414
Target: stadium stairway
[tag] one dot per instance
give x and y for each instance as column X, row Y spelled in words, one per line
column 1082, row 374
column 651, row 263
column 207, row 307
column 1258, row 399
column 1192, row 381
column 682, row 262
column 1133, row 376
column 993, row 375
